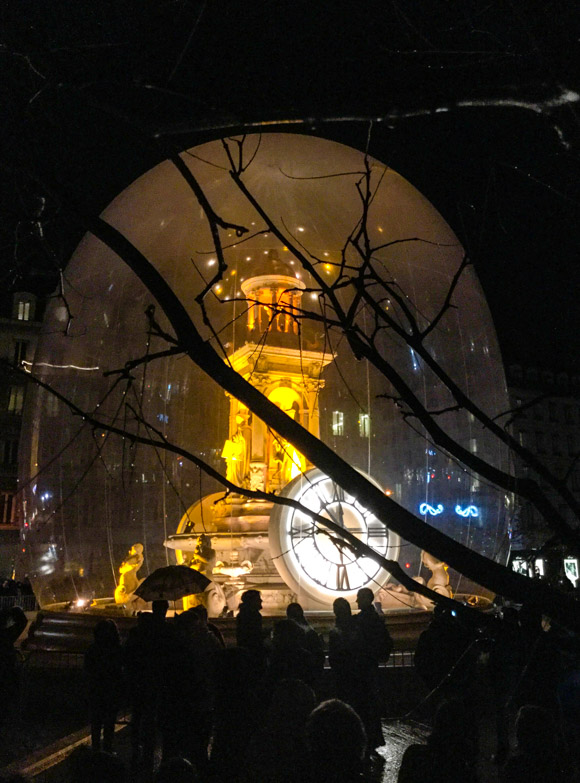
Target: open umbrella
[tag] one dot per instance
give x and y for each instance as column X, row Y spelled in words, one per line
column 171, row 583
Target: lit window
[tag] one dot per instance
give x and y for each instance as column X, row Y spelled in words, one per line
column 571, row 569
column 364, row 425
column 23, row 311
column 520, row 566
column 337, row 423
column 6, row 507
column 16, row 399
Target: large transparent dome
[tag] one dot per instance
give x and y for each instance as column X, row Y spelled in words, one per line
column 91, row 495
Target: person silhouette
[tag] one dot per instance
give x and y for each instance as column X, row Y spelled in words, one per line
column 103, row 666
column 313, row 642
column 249, row 633
column 12, row 623
column 373, row 645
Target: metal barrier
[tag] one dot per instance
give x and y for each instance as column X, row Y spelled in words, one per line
column 401, row 659
column 26, row 602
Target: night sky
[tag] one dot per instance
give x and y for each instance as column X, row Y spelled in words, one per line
column 477, row 106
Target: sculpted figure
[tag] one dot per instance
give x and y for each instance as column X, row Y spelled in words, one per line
column 203, row 555
column 128, row 580
column 439, row 581
column 235, row 453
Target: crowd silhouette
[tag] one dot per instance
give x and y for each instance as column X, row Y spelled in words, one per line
column 270, row 710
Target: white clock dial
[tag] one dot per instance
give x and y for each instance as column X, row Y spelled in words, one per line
column 313, row 560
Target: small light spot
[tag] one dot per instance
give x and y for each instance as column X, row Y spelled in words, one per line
column 248, row 258
column 301, row 228
column 211, row 262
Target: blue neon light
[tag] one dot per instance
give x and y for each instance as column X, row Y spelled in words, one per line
column 468, row 511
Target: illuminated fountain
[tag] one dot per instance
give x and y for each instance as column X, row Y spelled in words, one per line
column 233, row 539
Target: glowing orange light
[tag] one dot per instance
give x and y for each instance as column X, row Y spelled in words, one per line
column 407, row 565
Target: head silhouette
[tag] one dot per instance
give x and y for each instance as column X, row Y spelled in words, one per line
column 295, row 612
column 336, row 742
column 341, row 609
column 364, row 598
column 252, row 599
column 160, row 607
column 106, row 634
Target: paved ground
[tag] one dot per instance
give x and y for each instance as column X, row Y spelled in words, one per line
column 50, row 693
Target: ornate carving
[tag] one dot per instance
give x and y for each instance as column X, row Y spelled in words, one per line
column 258, row 475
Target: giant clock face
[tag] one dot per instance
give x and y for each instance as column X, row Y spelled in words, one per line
column 311, row 559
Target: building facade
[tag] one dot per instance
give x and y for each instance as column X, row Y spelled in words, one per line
column 546, row 420
column 20, row 321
